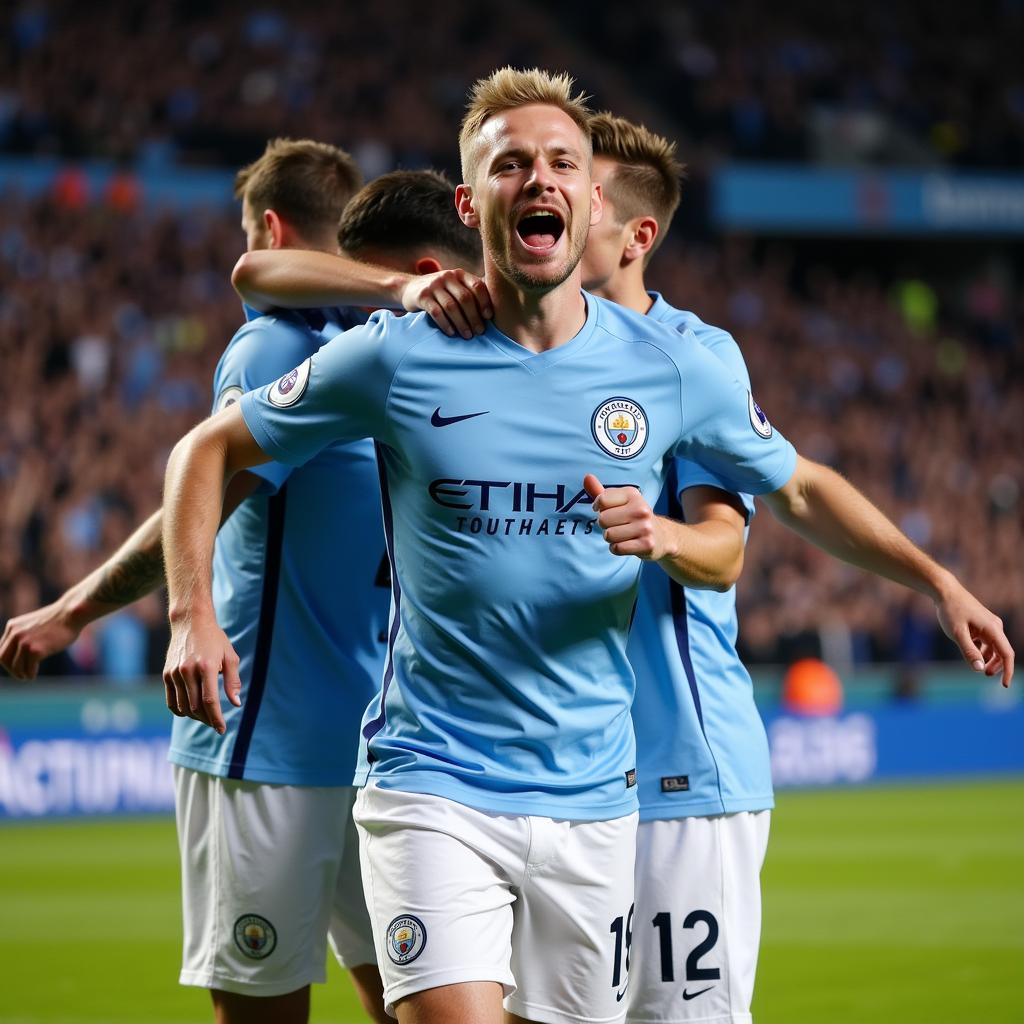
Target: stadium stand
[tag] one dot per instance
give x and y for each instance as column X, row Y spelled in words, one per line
column 112, row 313
column 912, row 83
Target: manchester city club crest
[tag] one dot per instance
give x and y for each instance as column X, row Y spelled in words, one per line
column 407, row 937
column 619, row 426
column 255, row 936
column 290, row 388
column 758, row 420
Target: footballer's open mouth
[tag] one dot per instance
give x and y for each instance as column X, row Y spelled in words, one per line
column 540, row 229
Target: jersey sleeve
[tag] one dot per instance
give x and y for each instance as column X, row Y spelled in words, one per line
column 693, row 474
column 261, row 350
column 723, row 347
column 339, row 394
column 725, row 431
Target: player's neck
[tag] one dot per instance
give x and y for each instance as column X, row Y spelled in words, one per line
column 626, row 289
column 537, row 320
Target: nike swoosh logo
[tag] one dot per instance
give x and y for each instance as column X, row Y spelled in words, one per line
column 693, row 995
column 619, row 995
column 437, row 420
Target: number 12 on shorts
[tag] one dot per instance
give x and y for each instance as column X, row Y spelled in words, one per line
column 694, row 972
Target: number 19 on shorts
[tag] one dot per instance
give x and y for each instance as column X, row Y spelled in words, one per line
column 622, row 929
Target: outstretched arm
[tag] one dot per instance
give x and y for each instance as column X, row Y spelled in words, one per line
column 456, row 300
column 200, row 464
column 707, row 554
column 134, row 570
column 831, row 513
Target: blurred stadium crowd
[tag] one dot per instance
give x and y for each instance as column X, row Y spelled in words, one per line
column 913, row 82
column 112, row 316
column 210, row 82
column 111, row 321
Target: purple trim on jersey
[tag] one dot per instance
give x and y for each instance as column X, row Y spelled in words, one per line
column 681, row 624
column 677, row 593
column 314, row 319
column 678, row 596
column 276, row 507
column 375, row 725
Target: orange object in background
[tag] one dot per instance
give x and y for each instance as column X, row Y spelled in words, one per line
column 71, row 189
column 810, row 687
column 123, row 192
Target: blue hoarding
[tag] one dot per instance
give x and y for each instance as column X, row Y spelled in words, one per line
column 898, row 741
column 811, row 200
column 69, row 752
column 72, row 752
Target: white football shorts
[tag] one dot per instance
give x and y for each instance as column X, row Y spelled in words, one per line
column 539, row 905
column 697, row 925
column 268, row 873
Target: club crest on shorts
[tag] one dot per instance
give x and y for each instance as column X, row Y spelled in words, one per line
column 619, row 427
column 758, row 420
column 406, row 939
column 255, row 936
column 229, row 396
column 290, row 388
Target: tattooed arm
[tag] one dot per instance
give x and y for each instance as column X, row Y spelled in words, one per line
column 134, row 570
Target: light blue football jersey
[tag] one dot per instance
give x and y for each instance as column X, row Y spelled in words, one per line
column 507, row 686
column 701, row 745
column 300, row 586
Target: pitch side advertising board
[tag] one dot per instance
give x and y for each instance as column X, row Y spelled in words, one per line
column 74, row 752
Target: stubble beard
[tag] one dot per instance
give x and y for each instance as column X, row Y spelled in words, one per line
column 498, row 245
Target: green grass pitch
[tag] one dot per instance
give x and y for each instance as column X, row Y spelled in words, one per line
column 901, row 905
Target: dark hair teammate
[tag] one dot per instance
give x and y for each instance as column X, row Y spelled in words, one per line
column 269, row 856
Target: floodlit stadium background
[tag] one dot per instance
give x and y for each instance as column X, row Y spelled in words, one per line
column 853, row 213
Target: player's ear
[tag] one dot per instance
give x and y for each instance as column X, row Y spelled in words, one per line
column 644, row 231
column 596, row 204
column 464, row 206
column 275, row 229
column 427, row 265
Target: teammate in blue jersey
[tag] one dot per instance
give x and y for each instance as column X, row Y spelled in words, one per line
column 498, row 820
column 705, row 780
column 702, row 754
column 269, row 864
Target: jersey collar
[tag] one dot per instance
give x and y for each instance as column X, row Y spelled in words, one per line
column 535, row 362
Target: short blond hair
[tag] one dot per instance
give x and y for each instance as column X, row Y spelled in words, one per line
column 509, row 88
column 647, row 180
column 308, row 183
